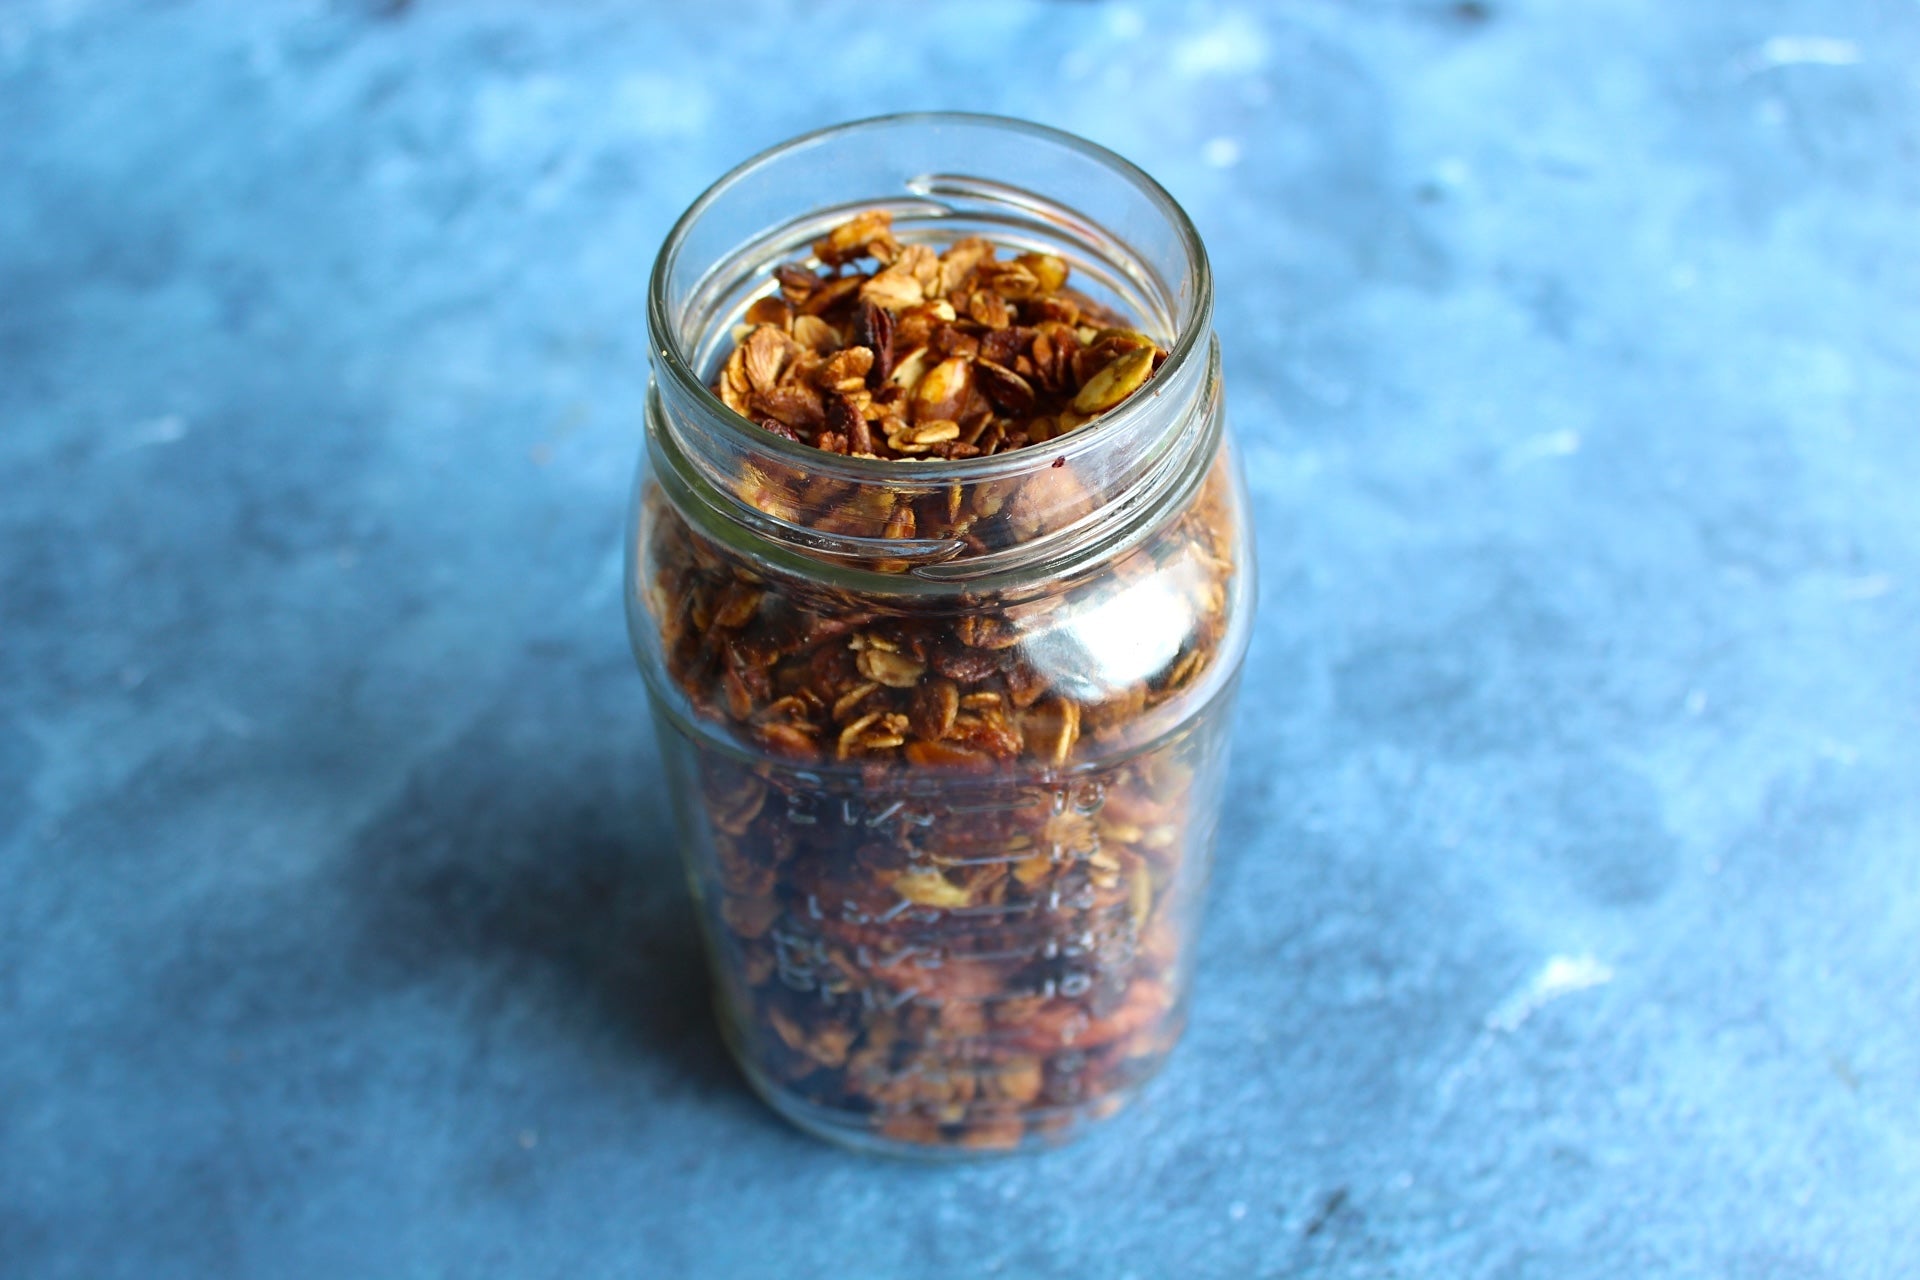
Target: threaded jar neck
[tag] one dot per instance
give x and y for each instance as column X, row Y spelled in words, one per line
column 943, row 177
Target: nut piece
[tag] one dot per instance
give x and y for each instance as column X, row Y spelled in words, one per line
column 935, row 704
column 772, row 309
column 1120, row 379
column 736, row 607
column 1053, row 727
column 942, row 393
column 874, row 331
column 1049, row 272
column 894, row 670
column 796, row 283
column 990, row 309
column 868, row 235
column 846, row 370
column 1007, row 389
column 895, row 289
column 958, row 262
column 910, row 370
column 815, row 334
column 766, row 355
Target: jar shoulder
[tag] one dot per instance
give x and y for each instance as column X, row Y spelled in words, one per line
column 1119, row 653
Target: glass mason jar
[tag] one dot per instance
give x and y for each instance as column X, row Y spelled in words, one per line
column 946, row 739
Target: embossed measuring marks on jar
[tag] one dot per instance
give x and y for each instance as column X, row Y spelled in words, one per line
column 931, row 923
column 985, row 927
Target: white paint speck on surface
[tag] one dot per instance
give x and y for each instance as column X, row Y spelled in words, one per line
column 1844, row 753
column 1866, row 587
column 168, row 428
column 1560, row 976
column 1124, row 22
column 1452, row 173
column 232, row 722
column 1548, row 444
column 515, row 117
column 1221, row 153
column 654, row 106
column 1801, row 51
column 605, row 581
column 1235, row 45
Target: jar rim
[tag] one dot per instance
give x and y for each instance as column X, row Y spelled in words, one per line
column 1190, row 337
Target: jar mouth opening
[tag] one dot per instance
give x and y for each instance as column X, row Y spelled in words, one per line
column 1192, row 314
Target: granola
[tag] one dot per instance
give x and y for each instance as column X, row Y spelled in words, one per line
column 956, row 354
column 950, row 854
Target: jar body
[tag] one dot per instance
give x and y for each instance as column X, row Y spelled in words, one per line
column 954, row 905
column 948, row 832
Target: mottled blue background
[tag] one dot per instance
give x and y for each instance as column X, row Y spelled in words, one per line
column 1567, row 910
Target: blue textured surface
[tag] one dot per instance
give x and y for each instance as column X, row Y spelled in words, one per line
column 1566, row 920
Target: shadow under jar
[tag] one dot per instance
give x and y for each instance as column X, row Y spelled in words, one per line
column 946, row 781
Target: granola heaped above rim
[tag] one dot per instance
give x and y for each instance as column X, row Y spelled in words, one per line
column 951, row 354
